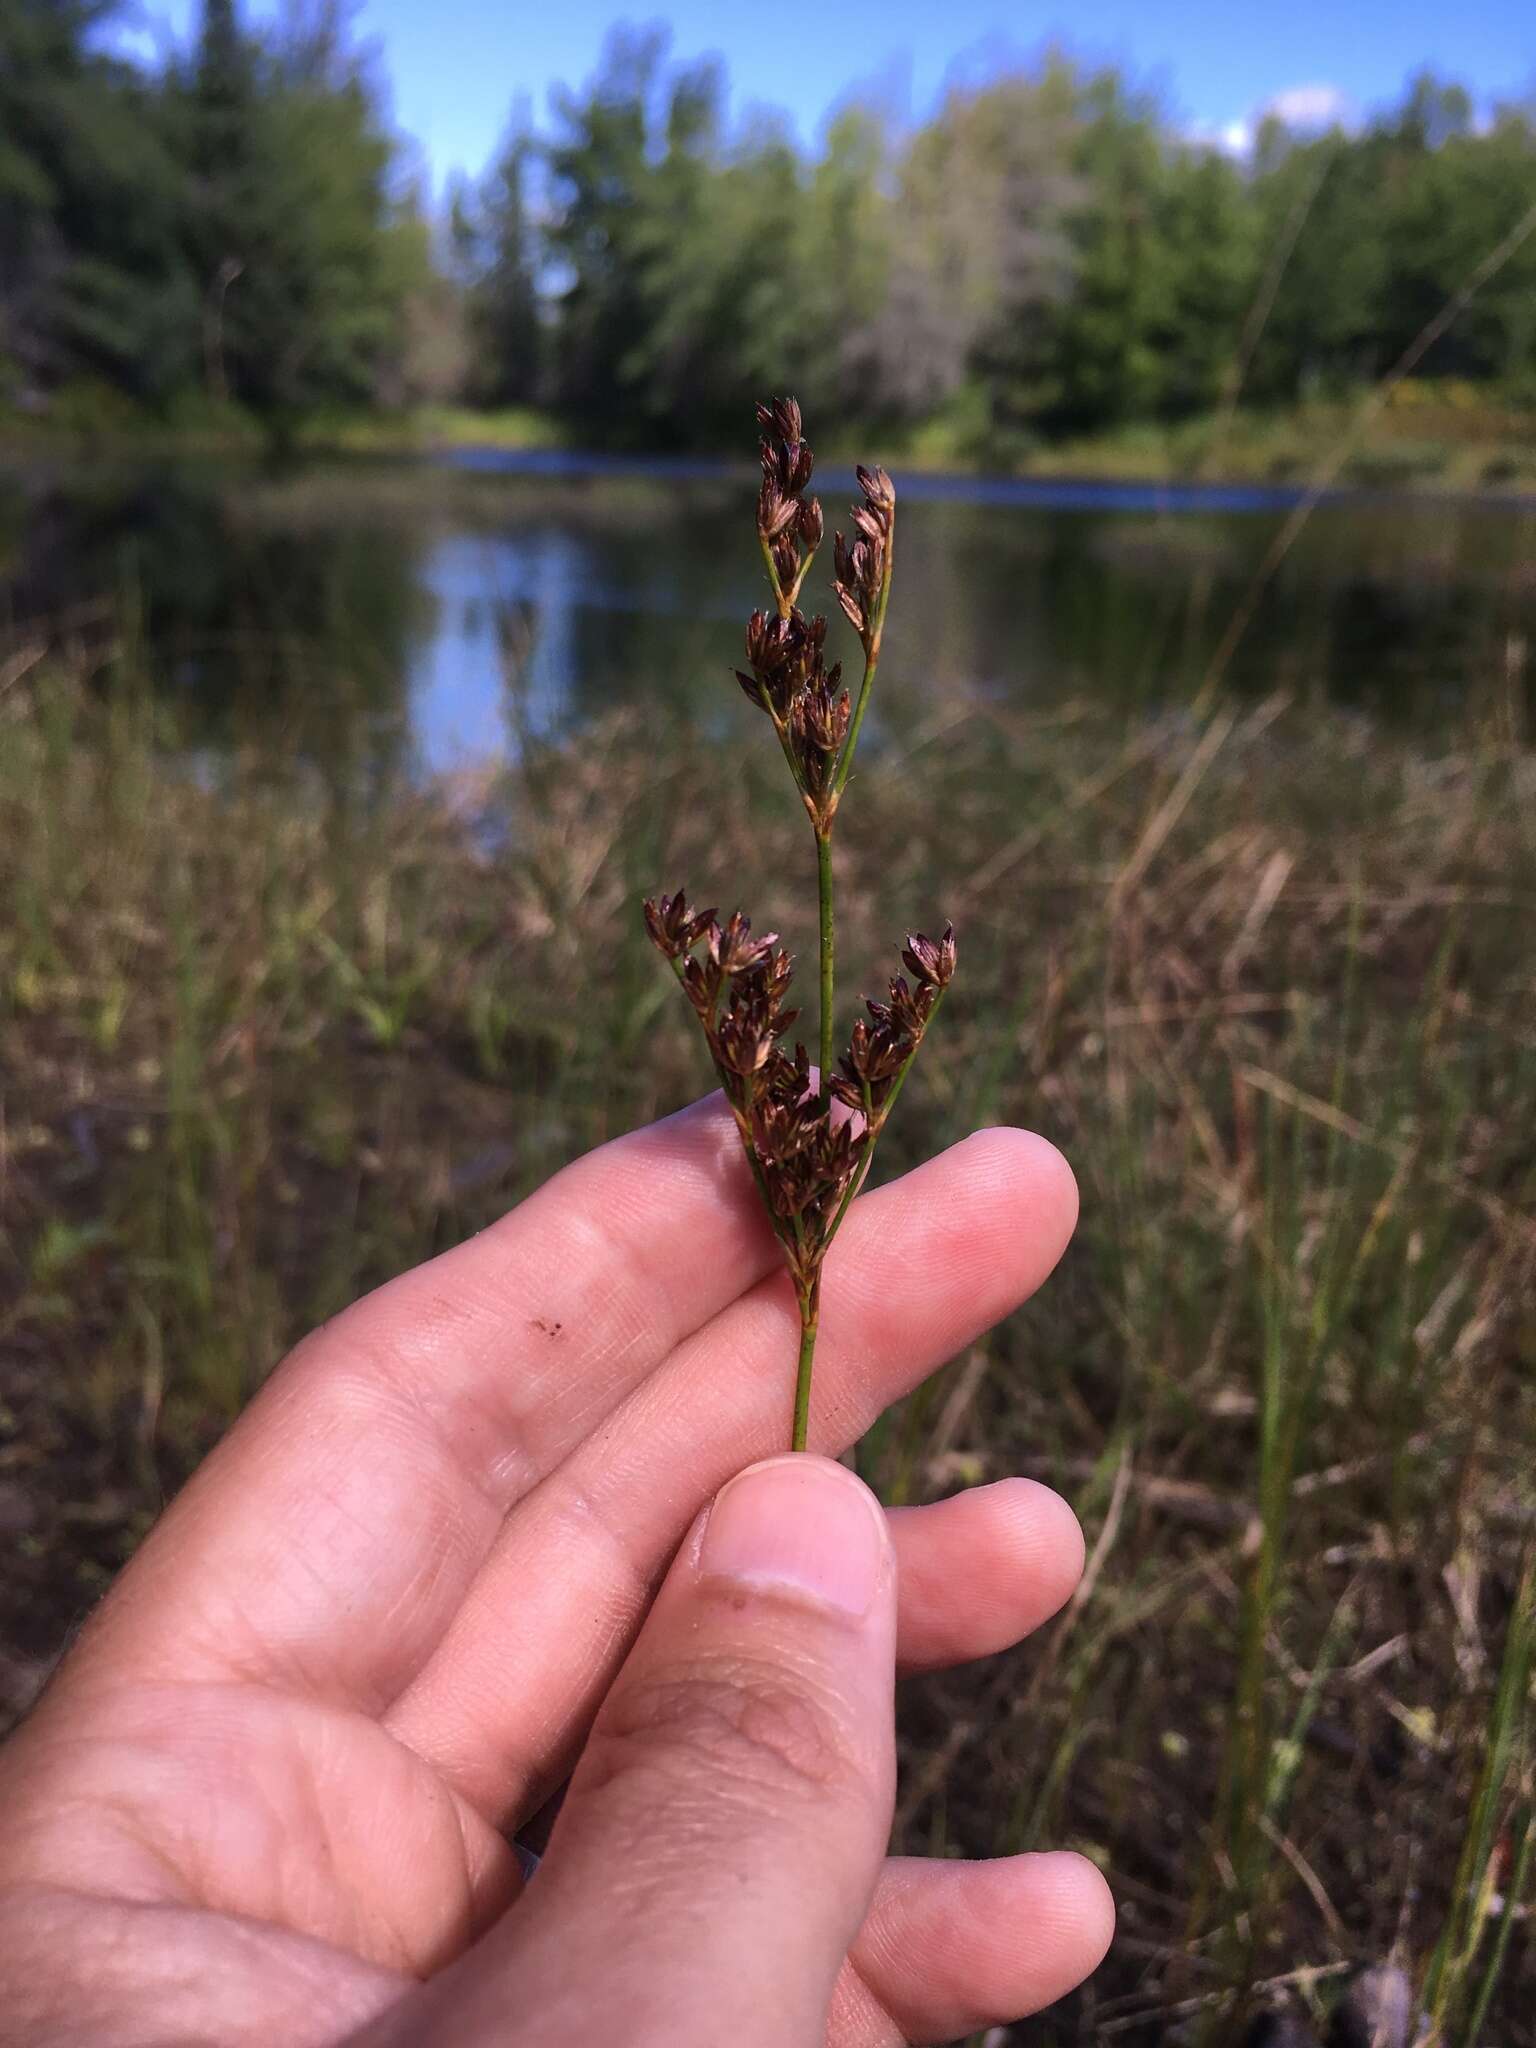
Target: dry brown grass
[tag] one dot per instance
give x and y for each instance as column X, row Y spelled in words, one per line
column 1268, row 979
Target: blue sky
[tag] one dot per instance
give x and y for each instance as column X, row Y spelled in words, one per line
column 456, row 66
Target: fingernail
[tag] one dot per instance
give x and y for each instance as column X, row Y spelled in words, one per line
column 801, row 1526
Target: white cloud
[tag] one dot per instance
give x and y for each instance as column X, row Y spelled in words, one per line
column 1311, row 106
column 1307, row 108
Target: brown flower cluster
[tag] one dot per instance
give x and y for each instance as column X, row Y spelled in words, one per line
column 808, row 1156
column 862, row 566
column 802, row 696
column 879, row 1052
column 789, row 525
column 809, row 1142
column 789, row 678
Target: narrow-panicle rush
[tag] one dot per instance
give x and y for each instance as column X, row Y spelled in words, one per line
column 809, row 1140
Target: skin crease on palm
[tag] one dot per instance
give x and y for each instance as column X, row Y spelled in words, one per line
column 268, row 1797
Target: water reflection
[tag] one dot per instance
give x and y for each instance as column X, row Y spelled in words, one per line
column 386, row 607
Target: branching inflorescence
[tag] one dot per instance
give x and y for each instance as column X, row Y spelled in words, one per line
column 809, row 1136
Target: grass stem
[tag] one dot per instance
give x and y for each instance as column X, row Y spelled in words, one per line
column 810, row 1312
column 828, row 956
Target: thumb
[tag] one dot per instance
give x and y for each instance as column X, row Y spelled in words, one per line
column 721, row 1838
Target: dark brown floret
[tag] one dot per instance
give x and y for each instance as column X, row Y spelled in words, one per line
column 789, row 525
column 932, row 963
column 732, row 946
column 860, row 565
column 877, row 488
column 818, row 725
column 780, row 417
column 775, row 512
column 673, row 926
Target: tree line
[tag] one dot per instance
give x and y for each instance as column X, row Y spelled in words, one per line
column 1047, row 253
column 225, row 225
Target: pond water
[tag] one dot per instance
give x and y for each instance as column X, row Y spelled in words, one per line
column 434, row 606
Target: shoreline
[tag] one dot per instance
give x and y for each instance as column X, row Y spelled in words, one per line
column 1422, row 447
column 1083, row 486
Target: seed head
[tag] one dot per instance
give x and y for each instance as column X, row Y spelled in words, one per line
column 780, row 419
column 932, row 963
column 732, row 947
column 909, row 1011
column 788, row 526
column 808, row 1156
column 818, row 724
column 701, row 979
column 776, row 513
column 860, row 565
column 673, row 926
column 877, row 488
column 742, row 1043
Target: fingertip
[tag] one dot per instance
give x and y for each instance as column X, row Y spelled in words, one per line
column 1013, row 1186
column 982, row 1569
column 1020, row 1184
column 950, row 1948
column 1070, row 1894
column 1052, row 1918
column 800, row 1526
column 1049, row 1549
column 1033, row 1163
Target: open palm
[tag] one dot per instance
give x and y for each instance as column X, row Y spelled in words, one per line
column 270, row 1795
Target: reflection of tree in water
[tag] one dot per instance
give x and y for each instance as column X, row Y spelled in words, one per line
column 1035, row 605
column 260, row 630
column 300, row 619
column 1129, row 608
column 627, row 657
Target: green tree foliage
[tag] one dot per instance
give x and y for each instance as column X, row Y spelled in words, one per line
column 1449, row 195
column 227, row 225
column 494, row 258
column 292, row 232
column 1047, row 252
column 91, row 280
column 685, row 270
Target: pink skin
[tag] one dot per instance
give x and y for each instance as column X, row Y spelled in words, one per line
column 463, row 1540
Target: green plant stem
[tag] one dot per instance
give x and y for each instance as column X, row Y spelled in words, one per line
column 810, row 1313
column 810, row 1291
column 784, row 600
column 828, row 956
column 780, row 601
column 871, row 663
column 855, row 1187
column 845, row 764
column 1514, row 1897
column 1450, row 1965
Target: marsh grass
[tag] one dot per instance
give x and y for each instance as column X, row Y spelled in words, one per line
column 268, row 1035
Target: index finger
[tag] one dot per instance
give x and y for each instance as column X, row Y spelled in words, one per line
column 326, row 1543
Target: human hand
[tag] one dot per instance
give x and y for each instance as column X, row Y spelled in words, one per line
column 269, row 1795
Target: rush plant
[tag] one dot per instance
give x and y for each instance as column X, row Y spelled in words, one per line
column 809, row 1134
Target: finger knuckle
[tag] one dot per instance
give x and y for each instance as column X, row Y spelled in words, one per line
column 751, row 1735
